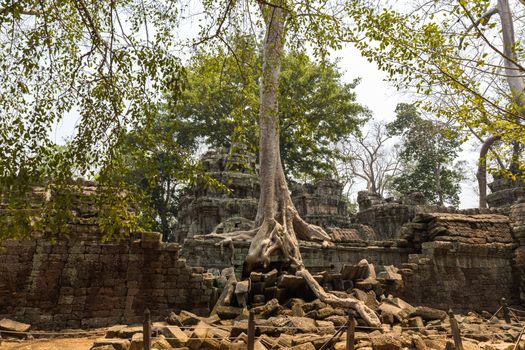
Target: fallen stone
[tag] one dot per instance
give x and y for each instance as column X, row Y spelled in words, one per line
column 338, row 321
column 128, row 332
column 290, row 282
column 174, row 319
column 325, row 327
column 189, row 319
column 499, row 346
column 137, row 342
column 238, row 328
column 385, row 342
column 397, row 312
column 270, row 278
column 390, row 273
column 297, row 324
column 14, row 326
column 196, row 338
column 428, row 313
column 117, row 344
column 305, row 346
column 175, row 336
column 113, row 331
column 160, row 343
column 103, row 347
column 228, row 312
column 419, row 344
column 416, row 322
column 323, row 313
column 271, row 308
column 403, row 305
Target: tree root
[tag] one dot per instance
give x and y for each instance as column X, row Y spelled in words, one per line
column 367, row 314
column 280, row 233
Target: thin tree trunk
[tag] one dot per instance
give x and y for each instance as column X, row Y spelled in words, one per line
column 439, row 190
column 481, row 175
column 512, row 71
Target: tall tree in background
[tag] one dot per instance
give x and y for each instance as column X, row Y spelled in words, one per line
column 368, row 157
column 428, row 151
column 316, row 109
column 466, row 59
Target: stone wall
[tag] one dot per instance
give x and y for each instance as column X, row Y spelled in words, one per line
column 446, row 259
column 505, row 192
column 85, row 283
column 464, row 262
column 208, row 254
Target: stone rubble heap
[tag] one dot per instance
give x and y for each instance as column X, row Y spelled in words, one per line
column 300, row 325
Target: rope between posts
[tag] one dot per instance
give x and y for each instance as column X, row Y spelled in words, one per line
column 516, row 310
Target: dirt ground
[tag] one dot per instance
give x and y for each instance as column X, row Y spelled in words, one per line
column 49, row 344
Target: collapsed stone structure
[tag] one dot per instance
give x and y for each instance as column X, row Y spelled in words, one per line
column 464, row 259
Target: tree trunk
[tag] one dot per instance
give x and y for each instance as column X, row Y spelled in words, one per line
column 439, row 190
column 481, row 175
column 512, row 71
column 278, row 224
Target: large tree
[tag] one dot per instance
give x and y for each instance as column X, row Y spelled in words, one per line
column 278, row 224
column 370, row 156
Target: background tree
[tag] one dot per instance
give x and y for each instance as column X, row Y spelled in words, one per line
column 157, row 162
column 428, row 151
column 370, row 157
column 77, row 59
column 316, row 109
column 464, row 57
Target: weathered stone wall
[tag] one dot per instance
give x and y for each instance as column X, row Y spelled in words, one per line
column 505, row 192
column 465, row 262
column 85, row 283
column 208, row 254
column 446, row 259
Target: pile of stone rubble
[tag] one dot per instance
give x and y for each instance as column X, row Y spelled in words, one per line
column 301, row 325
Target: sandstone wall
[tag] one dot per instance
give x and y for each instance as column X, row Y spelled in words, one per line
column 465, row 262
column 86, row 283
column 208, row 254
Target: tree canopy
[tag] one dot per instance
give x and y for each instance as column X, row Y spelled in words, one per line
column 316, row 109
column 428, row 151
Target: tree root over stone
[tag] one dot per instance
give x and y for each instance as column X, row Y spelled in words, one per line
column 281, row 235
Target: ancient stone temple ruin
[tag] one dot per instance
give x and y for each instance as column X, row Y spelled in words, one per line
column 204, row 209
column 434, row 256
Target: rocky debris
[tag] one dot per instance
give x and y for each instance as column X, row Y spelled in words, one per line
column 429, row 314
column 276, row 327
column 117, row 344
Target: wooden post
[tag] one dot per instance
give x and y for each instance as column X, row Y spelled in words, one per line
column 455, row 330
column 505, row 308
column 251, row 330
column 350, row 331
column 519, row 339
column 146, row 330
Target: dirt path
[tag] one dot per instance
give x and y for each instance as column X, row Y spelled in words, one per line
column 49, row 344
